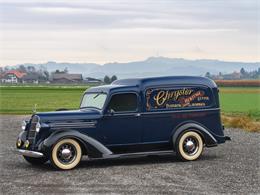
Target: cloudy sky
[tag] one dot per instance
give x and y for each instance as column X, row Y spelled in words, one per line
column 107, row 31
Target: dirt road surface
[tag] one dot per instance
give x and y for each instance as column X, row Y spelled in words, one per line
column 229, row 168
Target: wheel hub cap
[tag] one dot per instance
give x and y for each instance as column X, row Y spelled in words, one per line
column 66, row 154
column 190, row 145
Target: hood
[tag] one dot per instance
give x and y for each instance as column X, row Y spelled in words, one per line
column 68, row 115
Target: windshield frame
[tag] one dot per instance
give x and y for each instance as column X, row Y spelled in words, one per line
column 94, row 92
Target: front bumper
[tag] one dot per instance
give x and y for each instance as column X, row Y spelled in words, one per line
column 30, row 153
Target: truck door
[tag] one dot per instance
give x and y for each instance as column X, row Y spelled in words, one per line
column 121, row 126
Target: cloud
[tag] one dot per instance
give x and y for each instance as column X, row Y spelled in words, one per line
column 56, row 10
column 141, row 14
column 112, row 29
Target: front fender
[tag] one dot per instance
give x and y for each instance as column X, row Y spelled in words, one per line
column 208, row 138
column 22, row 135
column 92, row 147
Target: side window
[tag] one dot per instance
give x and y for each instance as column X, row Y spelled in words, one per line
column 126, row 102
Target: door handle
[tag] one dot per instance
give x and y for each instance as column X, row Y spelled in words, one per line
column 138, row 114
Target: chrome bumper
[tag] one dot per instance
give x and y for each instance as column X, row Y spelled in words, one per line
column 30, row 153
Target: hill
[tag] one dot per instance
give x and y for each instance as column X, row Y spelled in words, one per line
column 153, row 66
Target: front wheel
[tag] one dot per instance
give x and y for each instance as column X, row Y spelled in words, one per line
column 35, row 161
column 66, row 154
column 189, row 146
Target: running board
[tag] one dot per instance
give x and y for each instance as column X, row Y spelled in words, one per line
column 125, row 155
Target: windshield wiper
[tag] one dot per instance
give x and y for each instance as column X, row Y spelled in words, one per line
column 101, row 92
column 96, row 96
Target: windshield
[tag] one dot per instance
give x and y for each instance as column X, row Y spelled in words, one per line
column 96, row 100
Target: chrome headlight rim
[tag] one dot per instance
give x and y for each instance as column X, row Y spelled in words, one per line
column 37, row 127
column 24, row 124
column 19, row 142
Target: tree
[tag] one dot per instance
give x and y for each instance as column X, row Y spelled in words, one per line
column 6, row 68
column 107, row 80
column 207, row 75
column 66, row 70
column 242, row 72
column 31, row 69
column 113, row 78
column 22, row 68
column 46, row 74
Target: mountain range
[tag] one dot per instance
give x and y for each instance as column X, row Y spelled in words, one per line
column 152, row 66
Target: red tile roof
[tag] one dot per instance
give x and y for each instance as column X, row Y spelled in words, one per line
column 17, row 73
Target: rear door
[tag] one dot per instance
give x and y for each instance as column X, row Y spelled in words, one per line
column 167, row 107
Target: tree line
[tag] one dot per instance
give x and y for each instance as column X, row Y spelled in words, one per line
column 43, row 72
column 242, row 74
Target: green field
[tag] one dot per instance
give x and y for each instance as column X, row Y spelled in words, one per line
column 21, row 99
column 241, row 100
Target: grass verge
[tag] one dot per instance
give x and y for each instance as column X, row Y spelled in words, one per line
column 241, row 121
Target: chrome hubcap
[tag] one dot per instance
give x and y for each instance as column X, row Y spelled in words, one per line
column 190, row 146
column 66, row 153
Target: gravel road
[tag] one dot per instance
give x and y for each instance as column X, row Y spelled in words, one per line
column 229, row 168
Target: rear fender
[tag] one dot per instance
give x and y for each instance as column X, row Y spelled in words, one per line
column 91, row 146
column 207, row 137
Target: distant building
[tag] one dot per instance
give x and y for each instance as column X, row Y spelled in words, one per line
column 232, row 76
column 31, row 78
column 91, row 80
column 66, row 78
column 12, row 76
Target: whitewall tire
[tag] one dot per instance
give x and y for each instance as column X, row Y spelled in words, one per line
column 189, row 146
column 66, row 154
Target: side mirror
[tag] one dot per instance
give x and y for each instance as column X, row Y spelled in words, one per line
column 110, row 112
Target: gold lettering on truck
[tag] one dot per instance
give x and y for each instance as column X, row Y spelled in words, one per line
column 166, row 95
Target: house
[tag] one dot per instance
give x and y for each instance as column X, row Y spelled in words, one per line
column 232, row 76
column 66, row 78
column 31, row 78
column 12, row 76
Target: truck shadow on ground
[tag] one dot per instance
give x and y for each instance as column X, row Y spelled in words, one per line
column 160, row 159
column 133, row 161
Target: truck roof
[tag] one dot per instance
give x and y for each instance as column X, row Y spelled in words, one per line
column 179, row 80
column 140, row 83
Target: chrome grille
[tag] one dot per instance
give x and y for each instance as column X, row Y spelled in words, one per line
column 32, row 130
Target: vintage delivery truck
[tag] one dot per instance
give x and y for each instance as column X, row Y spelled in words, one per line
column 128, row 117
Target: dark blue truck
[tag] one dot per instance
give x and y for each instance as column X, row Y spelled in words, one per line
column 128, row 117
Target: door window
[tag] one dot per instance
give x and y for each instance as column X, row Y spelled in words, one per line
column 126, row 102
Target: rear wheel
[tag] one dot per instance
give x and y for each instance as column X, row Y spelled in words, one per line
column 66, row 154
column 35, row 161
column 189, row 146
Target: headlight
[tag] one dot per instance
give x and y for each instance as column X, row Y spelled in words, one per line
column 24, row 125
column 38, row 127
column 19, row 142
